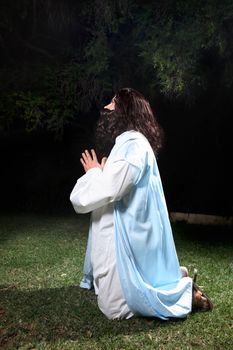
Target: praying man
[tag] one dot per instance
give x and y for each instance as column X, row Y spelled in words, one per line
column 131, row 260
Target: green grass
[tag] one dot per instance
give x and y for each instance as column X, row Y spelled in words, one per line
column 42, row 306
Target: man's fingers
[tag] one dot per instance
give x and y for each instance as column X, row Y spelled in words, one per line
column 87, row 154
column 82, row 162
column 94, row 155
column 89, row 160
column 84, row 157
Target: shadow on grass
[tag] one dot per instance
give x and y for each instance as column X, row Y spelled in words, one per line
column 68, row 313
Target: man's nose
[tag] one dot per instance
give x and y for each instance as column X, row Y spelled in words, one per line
column 109, row 106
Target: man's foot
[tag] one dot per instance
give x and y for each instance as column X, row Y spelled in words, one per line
column 200, row 301
column 184, row 271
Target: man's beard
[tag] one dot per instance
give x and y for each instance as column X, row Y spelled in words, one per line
column 108, row 127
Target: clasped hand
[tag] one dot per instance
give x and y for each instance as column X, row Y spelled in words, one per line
column 90, row 161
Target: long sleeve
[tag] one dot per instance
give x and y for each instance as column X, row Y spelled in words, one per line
column 100, row 187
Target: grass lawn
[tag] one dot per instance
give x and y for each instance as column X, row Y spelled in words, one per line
column 42, row 306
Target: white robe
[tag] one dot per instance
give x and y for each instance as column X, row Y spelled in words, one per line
column 132, row 254
column 96, row 191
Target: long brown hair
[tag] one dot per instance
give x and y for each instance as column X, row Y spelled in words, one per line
column 132, row 112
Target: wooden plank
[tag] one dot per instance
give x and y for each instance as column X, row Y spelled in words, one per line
column 201, row 219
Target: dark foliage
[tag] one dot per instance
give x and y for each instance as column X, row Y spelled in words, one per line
column 61, row 61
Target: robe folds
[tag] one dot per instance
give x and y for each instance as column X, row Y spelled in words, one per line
column 146, row 257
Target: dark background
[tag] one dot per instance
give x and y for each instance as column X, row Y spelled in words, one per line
column 61, row 61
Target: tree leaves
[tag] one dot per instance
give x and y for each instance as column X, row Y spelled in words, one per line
column 66, row 56
column 177, row 45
